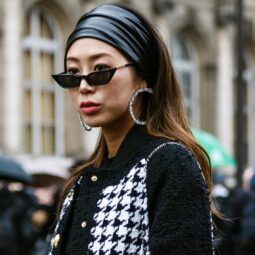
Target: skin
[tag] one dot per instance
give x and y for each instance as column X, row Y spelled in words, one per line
column 87, row 55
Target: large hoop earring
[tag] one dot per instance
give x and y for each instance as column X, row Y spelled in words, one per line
column 131, row 102
column 84, row 126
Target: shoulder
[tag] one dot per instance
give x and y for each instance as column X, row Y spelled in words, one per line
column 173, row 153
column 175, row 161
column 170, row 150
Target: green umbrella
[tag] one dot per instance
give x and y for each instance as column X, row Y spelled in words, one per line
column 218, row 156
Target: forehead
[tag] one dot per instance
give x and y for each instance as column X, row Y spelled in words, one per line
column 87, row 48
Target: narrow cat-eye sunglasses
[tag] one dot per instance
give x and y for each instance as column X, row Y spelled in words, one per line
column 96, row 78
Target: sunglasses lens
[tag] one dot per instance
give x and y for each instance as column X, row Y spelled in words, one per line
column 100, row 78
column 67, row 81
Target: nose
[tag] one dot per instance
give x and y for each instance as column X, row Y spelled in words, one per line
column 85, row 87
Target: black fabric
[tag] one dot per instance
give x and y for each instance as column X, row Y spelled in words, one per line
column 178, row 204
column 107, row 162
column 122, row 29
column 178, row 207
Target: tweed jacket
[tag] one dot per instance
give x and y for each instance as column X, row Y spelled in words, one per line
column 150, row 199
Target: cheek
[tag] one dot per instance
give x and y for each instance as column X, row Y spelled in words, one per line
column 118, row 97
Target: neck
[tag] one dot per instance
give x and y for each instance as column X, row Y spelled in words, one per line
column 114, row 136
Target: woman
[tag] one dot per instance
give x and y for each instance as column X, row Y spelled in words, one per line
column 143, row 190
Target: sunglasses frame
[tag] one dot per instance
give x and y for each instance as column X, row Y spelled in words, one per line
column 76, row 80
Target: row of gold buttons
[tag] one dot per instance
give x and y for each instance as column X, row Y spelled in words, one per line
column 83, row 224
column 94, row 179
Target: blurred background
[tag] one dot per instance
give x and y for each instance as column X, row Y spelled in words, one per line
column 212, row 45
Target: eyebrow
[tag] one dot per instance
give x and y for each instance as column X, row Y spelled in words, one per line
column 91, row 58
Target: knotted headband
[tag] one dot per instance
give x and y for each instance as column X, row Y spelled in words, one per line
column 124, row 30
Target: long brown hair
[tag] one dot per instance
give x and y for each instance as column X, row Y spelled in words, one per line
column 165, row 115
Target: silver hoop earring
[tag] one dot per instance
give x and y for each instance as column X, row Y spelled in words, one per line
column 131, row 102
column 84, row 126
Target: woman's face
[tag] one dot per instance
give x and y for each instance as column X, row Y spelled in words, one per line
column 105, row 105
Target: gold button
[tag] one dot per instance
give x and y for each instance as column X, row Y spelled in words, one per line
column 83, row 224
column 94, row 178
column 56, row 240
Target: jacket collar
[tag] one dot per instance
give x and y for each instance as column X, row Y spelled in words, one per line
column 135, row 137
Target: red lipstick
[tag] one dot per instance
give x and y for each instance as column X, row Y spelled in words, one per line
column 89, row 107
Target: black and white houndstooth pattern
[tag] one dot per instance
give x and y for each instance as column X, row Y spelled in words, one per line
column 122, row 219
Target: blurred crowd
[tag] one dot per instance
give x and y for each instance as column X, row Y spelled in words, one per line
column 235, row 232
column 27, row 213
column 28, row 210
column 26, row 218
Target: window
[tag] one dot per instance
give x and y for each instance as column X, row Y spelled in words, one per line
column 185, row 64
column 43, row 101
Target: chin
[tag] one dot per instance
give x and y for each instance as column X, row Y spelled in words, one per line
column 96, row 122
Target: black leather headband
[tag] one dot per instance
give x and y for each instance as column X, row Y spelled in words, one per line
column 123, row 29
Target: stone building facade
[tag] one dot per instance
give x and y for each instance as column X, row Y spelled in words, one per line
column 36, row 117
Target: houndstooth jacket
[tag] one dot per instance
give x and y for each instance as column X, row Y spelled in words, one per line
column 150, row 200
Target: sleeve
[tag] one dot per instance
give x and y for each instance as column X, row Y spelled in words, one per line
column 178, row 202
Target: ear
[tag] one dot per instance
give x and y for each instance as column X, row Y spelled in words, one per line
column 141, row 84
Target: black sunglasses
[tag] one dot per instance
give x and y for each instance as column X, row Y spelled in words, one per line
column 97, row 78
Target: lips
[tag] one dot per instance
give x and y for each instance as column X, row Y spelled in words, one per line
column 89, row 107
